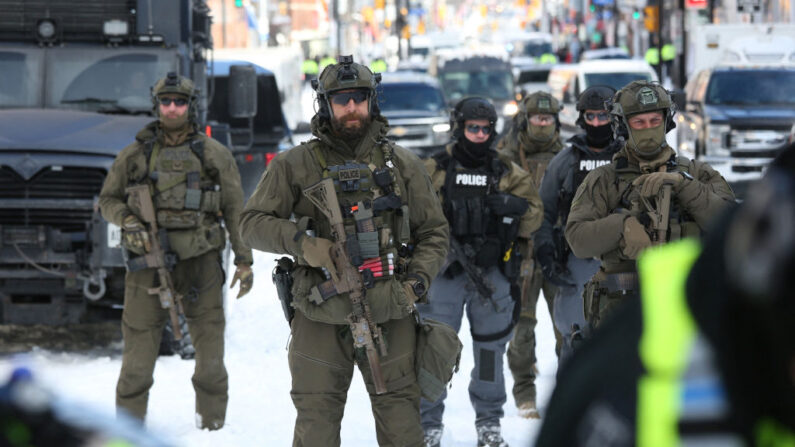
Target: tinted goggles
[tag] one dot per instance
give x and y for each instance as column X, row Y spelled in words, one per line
column 474, row 128
column 341, row 99
column 177, row 101
column 603, row 116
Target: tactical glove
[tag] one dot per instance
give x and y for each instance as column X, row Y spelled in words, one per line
column 653, row 183
column 635, row 238
column 135, row 234
column 408, row 287
column 317, row 253
column 552, row 270
column 503, row 204
column 245, row 275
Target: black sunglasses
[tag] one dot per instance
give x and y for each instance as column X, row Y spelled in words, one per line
column 342, row 99
column 177, row 101
column 603, row 116
column 474, row 128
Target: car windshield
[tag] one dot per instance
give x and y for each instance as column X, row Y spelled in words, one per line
column 533, row 76
column 752, row 87
column 105, row 81
column 491, row 84
column 21, row 72
column 532, row 48
column 410, row 96
column 615, row 80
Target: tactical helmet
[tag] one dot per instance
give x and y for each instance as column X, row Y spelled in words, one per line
column 593, row 98
column 641, row 97
column 177, row 85
column 472, row 108
column 540, row 102
column 345, row 75
column 536, row 103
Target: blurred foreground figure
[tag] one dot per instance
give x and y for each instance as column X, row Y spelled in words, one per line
column 30, row 415
column 706, row 356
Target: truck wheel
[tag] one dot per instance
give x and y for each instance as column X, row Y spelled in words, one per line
column 170, row 346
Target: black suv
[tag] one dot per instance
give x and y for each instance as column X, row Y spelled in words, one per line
column 415, row 107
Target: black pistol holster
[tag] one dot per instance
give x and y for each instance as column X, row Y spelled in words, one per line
column 283, row 279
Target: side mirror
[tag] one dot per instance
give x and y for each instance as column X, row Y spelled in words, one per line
column 242, row 91
column 680, row 98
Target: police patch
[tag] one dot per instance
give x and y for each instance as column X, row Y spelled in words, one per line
column 543, row 103
column 646, row 96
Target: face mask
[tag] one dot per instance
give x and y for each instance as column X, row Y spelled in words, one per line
column 598, row 136
column 647, row 143
column 542, row 134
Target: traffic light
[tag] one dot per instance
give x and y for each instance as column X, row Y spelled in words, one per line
column 379, row 4
column 636, row 15
column 238, row 3
column 652, row 20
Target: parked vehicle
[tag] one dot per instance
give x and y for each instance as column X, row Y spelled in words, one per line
column 484, row 71
column 75, row 91
column 568, row 81
column 604, row 53
column 253, row 146
column 531, row 77
column 415, row 107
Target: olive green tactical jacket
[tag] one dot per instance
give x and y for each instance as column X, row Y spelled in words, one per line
column 266, row 222
column 514, row 181
column 536, row 157
column 219, row 165
column 603, row 201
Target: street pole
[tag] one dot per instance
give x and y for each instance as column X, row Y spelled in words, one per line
column 338, row 27
column 683, row 54
column 223, row 23
column 660, row 21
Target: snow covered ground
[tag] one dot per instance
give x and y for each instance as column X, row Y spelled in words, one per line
column 260, row 411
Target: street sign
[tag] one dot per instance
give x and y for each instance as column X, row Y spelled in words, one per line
column 696, row 4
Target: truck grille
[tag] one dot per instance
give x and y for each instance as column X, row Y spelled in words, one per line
column 64, row 191
column 76, row 20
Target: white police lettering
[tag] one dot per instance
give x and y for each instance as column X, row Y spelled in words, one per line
column 590, row 165
column 471, row 179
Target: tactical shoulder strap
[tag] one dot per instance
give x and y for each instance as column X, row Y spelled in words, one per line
column 321, row 159
column 442, row 159
column 197, row 147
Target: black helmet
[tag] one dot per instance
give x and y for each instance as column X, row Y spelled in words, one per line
column 472, row 108
column 593, row 98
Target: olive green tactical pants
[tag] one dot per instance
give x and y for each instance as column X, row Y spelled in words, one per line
column 321, row 358
column 521, row 351
column 199, row 280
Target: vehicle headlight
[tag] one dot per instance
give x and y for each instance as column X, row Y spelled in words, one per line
column 510, row 109
column 715, row 143
column 441, row 127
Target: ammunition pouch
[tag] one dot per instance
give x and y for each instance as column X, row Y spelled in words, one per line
column 605, row 291
column 437, row 357
column 282, row 277
column 193, row 242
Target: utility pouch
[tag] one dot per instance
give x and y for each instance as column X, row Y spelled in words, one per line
column 511, row 263
column 460, row 219
column 508, row 230
column 282, row 277
column 437, row 357
column 366, row 232
column 475, row 216
column 193, row 194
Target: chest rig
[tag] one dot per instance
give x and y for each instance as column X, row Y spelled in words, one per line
column 464, row 193
column 182, row 192
column 372, row 209
column 680, row 223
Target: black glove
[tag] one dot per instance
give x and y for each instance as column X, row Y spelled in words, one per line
column 504, row 204
column 552, row 270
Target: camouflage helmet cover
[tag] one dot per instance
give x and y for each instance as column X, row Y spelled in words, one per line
column 174, row 84
column 346, row 75
column 541, row 102
column 641, row 97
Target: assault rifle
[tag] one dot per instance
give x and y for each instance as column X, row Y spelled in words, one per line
column 156, row 257
column 475, row 274
column 366, row 334
column 660, row 214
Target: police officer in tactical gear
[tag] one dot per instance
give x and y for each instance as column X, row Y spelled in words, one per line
column 196, row 192
column 584, row 153
column 395, row 223
column 705, row 356
column 647, row 195
column 531, row 143
column 492, row 207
